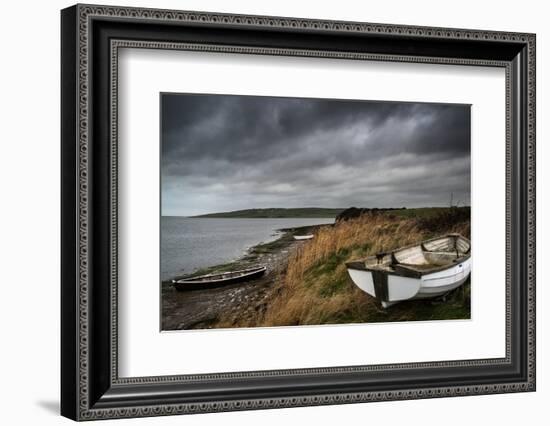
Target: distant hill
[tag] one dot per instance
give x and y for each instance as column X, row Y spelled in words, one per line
column 338, row 214
column 306, row 212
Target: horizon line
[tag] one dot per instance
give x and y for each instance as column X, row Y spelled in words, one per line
column 296, row 208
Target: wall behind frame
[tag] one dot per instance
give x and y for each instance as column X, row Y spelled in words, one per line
column 30, row 226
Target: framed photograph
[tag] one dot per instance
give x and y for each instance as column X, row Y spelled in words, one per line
column 263, row 212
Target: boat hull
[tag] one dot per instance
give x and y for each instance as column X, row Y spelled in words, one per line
column 185, row 285
column 390, row 289
column 303, row 237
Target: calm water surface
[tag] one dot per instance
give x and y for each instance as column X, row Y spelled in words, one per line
column 188, row 244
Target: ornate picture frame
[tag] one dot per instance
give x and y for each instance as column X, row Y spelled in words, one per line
column 91, row 37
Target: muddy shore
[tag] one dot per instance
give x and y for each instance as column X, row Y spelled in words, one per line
column 200, row 309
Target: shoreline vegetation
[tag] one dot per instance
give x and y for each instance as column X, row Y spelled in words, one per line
column 307, row 281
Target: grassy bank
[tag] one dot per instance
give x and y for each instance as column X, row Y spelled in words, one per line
column 316, row 289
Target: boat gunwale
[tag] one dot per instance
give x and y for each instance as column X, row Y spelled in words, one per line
column 408, row 271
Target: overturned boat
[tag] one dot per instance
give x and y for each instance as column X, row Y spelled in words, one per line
column 427, row 269
column 203, row 282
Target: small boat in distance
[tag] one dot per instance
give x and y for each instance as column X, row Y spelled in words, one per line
column 203, row 282
column 424, row 270
column 303, row 237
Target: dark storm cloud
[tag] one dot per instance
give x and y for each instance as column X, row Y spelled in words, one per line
column 232, row 152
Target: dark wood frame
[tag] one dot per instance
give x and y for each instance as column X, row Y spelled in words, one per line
column 90, row 386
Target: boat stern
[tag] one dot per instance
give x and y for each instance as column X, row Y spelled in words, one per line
column 385, row 287
column 361, row 277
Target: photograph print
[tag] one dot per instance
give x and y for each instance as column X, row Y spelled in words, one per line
column 279, row 211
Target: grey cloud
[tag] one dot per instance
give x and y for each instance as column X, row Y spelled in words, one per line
column 223, row 152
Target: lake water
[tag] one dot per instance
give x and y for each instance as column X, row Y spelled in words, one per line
column 188, row 244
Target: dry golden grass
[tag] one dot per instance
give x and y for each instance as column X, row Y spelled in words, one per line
column 302, row 299
column 315, row 287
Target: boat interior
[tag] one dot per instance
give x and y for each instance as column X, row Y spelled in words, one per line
column 427, row 256
column 224, row 275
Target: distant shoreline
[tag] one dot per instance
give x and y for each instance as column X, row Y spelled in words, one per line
column 277, row 213
column 247, row 217
column 308, row 212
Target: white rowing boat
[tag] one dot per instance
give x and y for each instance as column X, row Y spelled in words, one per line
column 428, row 269
column 303, row 237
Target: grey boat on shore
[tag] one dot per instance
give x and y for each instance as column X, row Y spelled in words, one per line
column 204, row 282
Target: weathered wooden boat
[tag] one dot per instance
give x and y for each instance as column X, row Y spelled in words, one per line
column 203, row 282
column 303, row 237
column 424, row 270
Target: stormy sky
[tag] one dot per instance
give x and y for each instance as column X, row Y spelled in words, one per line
column 224, row 153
